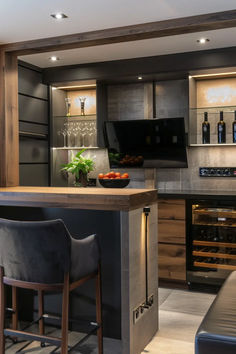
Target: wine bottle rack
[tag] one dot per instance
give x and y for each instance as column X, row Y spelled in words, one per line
column 213, row 239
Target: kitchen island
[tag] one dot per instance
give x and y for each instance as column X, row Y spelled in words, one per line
column 117, row 216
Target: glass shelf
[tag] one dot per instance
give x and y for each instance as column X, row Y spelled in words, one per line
column 84, row 117
column 214, row 109
column 75, row 147
column 208, row 145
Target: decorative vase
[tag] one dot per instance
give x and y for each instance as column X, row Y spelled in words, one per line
column 82, row 180
column 82, row 105
column 68, row 106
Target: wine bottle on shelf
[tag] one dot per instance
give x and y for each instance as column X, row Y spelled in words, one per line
column 234, row 128
column 221, row 129
column 206, row 130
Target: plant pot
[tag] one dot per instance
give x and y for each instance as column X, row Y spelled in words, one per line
column 82, row 180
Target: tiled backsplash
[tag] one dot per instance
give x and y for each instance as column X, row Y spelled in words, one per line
column 188, row 178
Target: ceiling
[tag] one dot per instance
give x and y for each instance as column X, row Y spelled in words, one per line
column 32, row 20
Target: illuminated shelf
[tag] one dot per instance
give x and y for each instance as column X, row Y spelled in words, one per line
column 75, row 147
column 207, row 145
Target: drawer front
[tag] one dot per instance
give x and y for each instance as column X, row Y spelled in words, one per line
column 172, row 262
column 172, row 209
column 171, row 231
column 33, row 110
column 33, row 150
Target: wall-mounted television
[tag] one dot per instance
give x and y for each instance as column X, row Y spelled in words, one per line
column 159, row 143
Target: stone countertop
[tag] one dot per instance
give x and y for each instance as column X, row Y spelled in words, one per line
column 78, row 198
column 196, row 194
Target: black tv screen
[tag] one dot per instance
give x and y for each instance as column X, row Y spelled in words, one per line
column 148, row 142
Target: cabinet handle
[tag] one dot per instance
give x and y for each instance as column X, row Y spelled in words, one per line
column 33, row 135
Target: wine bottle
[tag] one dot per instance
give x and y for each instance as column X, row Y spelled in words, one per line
column 221, row 129
column 234, row 128
column 206, row 130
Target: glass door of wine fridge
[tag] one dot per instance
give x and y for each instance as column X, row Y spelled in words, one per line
column 211, row 241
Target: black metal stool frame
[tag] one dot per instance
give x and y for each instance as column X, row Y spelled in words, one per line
column 65, row 287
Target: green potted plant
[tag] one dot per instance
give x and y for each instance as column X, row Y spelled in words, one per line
column 80, row 167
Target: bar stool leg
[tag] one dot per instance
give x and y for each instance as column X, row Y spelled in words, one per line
column 2, row 312
column 99, row 310
column 15, row 311
column 65, row 314
column 41, row 311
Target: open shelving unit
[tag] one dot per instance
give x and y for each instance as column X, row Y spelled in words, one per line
column 196, row 118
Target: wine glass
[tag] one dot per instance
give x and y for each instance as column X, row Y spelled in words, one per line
column 69, row 134
column 83, row 130
column 94, row 127
column 74, row 132
column 63, row 132
column 90, row 134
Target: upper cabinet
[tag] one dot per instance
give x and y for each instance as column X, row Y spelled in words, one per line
column 212, row 102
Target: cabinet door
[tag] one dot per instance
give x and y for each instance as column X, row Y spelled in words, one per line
column 171, row 231
column 172, row 209
column 172, row 262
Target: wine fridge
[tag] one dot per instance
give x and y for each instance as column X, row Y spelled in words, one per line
column 211, row 241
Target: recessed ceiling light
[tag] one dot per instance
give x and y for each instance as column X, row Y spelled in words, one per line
column 203, row 40
column 140, row 77
column 59, row 16
column 54, row 58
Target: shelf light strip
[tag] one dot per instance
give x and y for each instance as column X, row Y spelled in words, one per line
column 216, row 74
column 76, row 86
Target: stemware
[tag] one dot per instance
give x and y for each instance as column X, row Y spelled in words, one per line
column 83, row 130
column 90, row 134
column 63, row 132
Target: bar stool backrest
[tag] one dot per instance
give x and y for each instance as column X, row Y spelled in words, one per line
column 35, row 251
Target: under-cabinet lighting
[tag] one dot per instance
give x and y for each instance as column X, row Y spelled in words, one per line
column 59, row 16
column 216, row 74
column 76, row 86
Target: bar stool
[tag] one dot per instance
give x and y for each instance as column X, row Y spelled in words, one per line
column 43, row 256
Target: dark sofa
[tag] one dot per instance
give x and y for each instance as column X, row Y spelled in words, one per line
column 217, row 332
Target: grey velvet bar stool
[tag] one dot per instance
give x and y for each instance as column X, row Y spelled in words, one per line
column 42, row 255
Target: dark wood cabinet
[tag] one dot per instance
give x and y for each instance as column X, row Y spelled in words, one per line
column 171, row 239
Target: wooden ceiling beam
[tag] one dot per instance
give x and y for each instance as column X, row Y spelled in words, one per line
column 199, row 23
column 9, row 131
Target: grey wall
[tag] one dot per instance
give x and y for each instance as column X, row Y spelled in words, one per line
column 188, row 178
column 125, row 101
column 33, row 126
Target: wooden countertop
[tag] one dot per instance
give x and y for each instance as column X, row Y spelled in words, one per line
column 78, row 198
